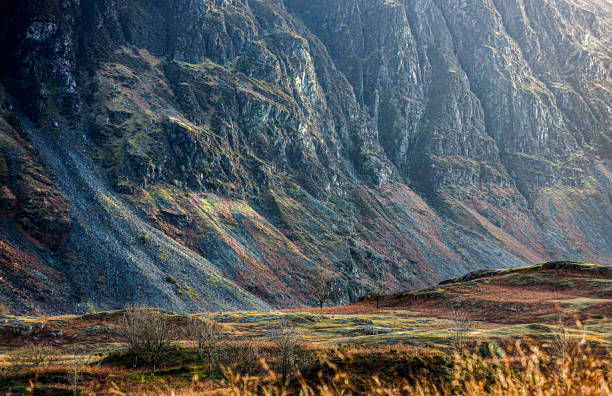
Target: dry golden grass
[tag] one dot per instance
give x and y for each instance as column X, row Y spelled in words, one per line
column 523, row 370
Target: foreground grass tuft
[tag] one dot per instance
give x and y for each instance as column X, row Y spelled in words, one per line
column 520, row 370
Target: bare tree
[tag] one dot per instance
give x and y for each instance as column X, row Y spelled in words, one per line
column 206, row 335
column 148, row 334
column 322, row 287
column 287, row 344
column 461, row 327
column 379, row 290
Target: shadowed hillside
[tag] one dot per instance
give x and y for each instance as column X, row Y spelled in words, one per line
column 221, row 154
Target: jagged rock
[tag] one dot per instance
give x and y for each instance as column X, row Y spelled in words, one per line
column 23, row 329
column 361, row 321
column 539, row 327
column 98, row 329
column 55, row 333
column 371, row 330
column 256, row 143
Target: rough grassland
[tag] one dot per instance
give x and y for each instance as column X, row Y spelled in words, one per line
column 416, row 330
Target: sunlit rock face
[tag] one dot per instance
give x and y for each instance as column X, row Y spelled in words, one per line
column 212, row 155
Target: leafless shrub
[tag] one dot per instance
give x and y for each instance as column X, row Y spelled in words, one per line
column 461, row 327
column 287, row 346
column 245, row 357
column 148, row 334
column 4, row 309
column 563, row 343
column 206, row 335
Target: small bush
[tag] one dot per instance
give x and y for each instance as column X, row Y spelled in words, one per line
column 461, row 327
column 286, row 347
column 562, row 342
column 148, row 334
column 206, row 336
column 245, row 357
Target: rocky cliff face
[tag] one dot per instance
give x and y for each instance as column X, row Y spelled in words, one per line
column 218, row 154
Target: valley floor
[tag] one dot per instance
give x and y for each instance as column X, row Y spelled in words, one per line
column 553, row 308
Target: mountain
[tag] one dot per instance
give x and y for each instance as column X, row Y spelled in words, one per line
column 220, row 154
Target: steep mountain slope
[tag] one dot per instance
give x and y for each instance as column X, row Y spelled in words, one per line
column 218, row 154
